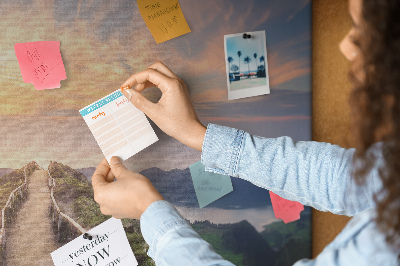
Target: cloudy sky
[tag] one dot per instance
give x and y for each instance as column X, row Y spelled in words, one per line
column 104, row 42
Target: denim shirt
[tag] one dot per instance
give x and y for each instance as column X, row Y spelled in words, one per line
column 312, row 173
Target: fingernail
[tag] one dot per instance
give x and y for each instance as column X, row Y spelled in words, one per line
column 127, row 87
column 115, row 160
column 129, row 92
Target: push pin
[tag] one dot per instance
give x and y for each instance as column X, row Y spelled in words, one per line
column 246, row 36
column 127, row 87
column 87, row 236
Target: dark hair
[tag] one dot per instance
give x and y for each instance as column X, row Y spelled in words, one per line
column 375, row 102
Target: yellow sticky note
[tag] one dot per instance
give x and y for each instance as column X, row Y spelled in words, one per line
column 164, row 18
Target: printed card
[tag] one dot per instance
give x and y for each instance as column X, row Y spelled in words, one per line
column 41, row 64
column 108, row 246
column 209, row 186
column 118, row 126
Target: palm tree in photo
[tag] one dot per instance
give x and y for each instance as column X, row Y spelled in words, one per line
column 255, row 60
column 230, row 59
column 262, row 59
column 247, row 60
column 239, row 54
column 234, row 68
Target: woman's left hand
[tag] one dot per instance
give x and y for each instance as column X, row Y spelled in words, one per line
column 128, row 197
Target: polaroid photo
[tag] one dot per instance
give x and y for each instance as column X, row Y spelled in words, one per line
column 246, row 64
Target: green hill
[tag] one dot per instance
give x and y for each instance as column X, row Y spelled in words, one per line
column 74, row 195
column 12, row 180
column 239, row 243
column 212, row 233
column 292, row 251
column 278, row 233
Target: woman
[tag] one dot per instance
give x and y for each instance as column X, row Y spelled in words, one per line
column 360, row 182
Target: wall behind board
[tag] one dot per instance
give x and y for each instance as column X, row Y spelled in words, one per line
column 331, row 89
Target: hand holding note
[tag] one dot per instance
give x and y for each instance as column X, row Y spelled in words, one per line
column 174, row 113
column 127, row 197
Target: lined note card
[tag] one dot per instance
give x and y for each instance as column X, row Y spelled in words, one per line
column 41, row 64
column 164, row 18
column 118, row 126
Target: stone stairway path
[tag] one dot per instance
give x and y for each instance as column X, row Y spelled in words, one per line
column 30, row 239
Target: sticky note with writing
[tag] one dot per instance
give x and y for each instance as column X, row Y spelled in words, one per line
column 118, row 126
column 209, row 186
column 287, row 210
column 108, row 246
column 41, row 64
column 164, row 18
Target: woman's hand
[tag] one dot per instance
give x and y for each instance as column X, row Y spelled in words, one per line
column 173, row 113
column 128, row 197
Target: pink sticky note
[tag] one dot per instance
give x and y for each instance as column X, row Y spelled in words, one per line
column 287, row 210
column 41, row 64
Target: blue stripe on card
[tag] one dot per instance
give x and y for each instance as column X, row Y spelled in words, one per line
column 100, row 103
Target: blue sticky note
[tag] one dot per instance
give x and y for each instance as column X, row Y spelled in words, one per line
column 209, row 186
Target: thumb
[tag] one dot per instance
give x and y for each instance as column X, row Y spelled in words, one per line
column 139, row 101
column 117, row 167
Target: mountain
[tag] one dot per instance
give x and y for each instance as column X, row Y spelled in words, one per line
column 12, row 180
column 74, row 195
column 88, row 172
column 279, row 234
column 176, row 186
column 240, row 242
column 294, row 250
column 244, row 238
column 4, row 171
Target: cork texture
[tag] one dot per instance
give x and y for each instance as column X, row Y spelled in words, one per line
column 331, row 89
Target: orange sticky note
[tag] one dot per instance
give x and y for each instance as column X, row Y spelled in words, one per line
column 164, row 18
column 287, row 210
column 41, row 64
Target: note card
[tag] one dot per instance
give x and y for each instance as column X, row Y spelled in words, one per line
column 209, row 186
column 41, row 64
column 164, row 18
column 108, row 246
column 288, row 211
column 118, row 126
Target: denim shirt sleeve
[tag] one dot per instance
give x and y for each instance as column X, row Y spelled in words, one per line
column 312, row 173
column 172, row 240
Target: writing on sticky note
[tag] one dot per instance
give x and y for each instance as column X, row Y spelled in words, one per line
column 284, row 209
column 209, row 186
column 164, row 18
column 41, row 64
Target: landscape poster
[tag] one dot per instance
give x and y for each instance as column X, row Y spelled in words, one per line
column 49, row 154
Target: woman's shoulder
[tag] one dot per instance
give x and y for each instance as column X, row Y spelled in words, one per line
column 362, row 240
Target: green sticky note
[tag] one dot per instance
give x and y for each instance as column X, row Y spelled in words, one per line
column 209, row 186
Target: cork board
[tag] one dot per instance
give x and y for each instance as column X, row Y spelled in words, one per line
column 331, row 89
column 101, row 45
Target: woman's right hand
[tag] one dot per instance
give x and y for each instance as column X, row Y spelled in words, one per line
column 173, row 113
